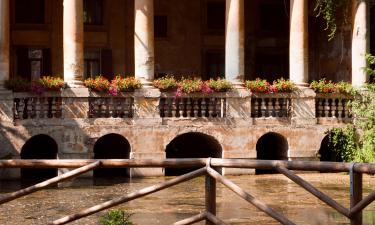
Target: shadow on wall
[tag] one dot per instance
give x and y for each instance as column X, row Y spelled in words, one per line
column 38, row 147
column 271, row 146
column 191, row 145
column 112, row 146
column 326, row 153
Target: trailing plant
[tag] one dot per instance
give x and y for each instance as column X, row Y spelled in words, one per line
column 258, row 86
column 282, row 85
column 99, row 84
column 116, row 217
column 167, row 83
column 327, row 9
column 343, row 142
column 18, row 84
column 219, row 85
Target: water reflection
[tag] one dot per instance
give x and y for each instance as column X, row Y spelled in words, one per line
column 187, row 199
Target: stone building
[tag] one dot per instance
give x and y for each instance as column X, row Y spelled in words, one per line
column 236, row 39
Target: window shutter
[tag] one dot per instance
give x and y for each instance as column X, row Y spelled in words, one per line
column 23, row 63
column 106, row 68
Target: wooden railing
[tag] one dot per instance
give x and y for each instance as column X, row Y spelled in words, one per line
column 270, row 105
column 354, row 213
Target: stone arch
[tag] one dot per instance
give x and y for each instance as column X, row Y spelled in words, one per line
column 326, row 153
column 40, row 146
column 271, row 146
column 112, row 146
column 191, row 145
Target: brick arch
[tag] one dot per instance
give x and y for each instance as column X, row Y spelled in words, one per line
column 112, row 146
column 271, row 146
column 192, row 145
column 39, row 146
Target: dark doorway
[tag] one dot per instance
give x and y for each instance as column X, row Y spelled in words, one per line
column 111, row 146
column 191, row 145
column 271, row 146
column 38, row 147
column 327, row 154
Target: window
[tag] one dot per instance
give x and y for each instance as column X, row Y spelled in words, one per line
column 215, row 15
column 29, row 11
column 93, row 12
column 215, row 64
column 32, row 63
column 161, row 26
column 98, row 62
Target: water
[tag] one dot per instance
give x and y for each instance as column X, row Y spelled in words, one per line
column 187, row 199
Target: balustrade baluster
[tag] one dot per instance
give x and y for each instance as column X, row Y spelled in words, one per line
column 195, row 107
column 277, row 108
column 210, row 107
column 174, row 102
column 189, row 107
column 263, row 107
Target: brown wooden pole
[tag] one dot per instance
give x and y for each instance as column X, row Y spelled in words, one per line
column 355, row 195
column 180, row 163
column 129, row 197
column 243, row 194
column 362, row 204
column 214, row 219
column 192, row 220
column 49, row 182
column 210, row 191
column 308, row 187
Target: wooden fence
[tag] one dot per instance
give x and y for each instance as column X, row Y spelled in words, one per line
column 354, row 213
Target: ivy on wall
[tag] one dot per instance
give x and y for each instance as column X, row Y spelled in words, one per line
column 328, row 10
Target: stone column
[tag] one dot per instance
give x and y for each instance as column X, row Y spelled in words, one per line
column 360, row 41
column 4, row 41
column 73, row 42
column 235, row 41
column 144, row 41
column 299, row 44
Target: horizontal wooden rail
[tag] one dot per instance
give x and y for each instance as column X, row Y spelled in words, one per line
column 368, row 168
column 191, row 220
column 129, row 197
column 52, row 181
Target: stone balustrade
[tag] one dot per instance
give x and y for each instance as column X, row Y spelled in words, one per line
column 270, row 105
column 328, row 108
column 194, row 105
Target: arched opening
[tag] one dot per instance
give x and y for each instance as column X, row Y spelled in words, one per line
column 111, row 146
column 326, row 153
column 38, row 147
column 271, row 146
column 191, row 145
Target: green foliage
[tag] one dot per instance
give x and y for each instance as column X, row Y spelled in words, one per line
column 219, row 85
column 166, row 83
column 343, row 142
column 371, row 68
column 258, row 85
column 323, row 86
column 18, row 84
column 346, row 88
column 327, row 9
column 285, row 86
column 116, row 217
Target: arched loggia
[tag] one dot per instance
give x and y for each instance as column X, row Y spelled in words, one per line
column 271, row 146
column 326, row 153
column 191, row 145
column 111, row 146
column 38, row 147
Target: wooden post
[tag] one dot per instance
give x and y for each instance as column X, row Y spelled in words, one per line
column 355, row 194
column 210, row 197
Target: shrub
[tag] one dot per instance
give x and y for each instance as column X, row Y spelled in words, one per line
column 167, row 83
column 345, row 88
column 258, row 86
column 125, row 84
column 323, row 86
column 51, row 83
column 282, row 85
column 115, row 217
column 219, row 85
column 18, row 84
column 343, row 142
column 99, row 84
